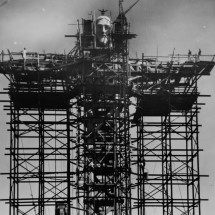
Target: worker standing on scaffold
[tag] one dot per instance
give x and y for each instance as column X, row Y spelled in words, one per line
column 199, row 54
column 189, row 55
column 24, row 55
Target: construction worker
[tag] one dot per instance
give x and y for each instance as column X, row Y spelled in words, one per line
column 189, row 55
column 24, row 54
column 199, row 53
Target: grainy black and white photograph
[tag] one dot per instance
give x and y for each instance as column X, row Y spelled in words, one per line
column 107, row 107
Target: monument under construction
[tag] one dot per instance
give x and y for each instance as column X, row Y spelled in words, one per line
column 96, row 132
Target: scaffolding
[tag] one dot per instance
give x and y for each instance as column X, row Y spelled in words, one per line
column 98, row 132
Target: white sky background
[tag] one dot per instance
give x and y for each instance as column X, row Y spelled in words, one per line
column 181, row 24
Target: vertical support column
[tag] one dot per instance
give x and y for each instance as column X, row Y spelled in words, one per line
column 125, row 147
column 141, row 168
column 194, row 182
column 188, row 151
column 197, row 155
column 79, row 161
column 41, row 209
column 11, row 163
column 68, row 161
column 167, row 166
column 14, row 161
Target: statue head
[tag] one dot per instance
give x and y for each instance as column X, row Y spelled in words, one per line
column 103, row 28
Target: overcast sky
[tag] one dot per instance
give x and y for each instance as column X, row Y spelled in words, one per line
column 40, row 25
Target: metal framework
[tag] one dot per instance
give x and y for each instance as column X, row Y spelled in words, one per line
column 167, row 141
column 170, row 150
column 97, row 132
column 39, row 151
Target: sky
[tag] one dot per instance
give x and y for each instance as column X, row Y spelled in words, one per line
column 161, row 26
